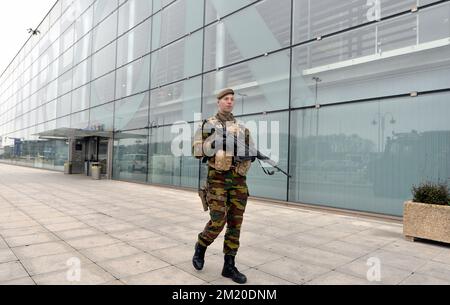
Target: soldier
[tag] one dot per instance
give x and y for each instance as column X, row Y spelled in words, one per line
column 226, row 189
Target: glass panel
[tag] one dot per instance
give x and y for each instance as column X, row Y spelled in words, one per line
column 271, row 138
column 104, row 61
column 30, row 151
column 318, row 18
column 103, row 145
column 379, row 60
column 130, row 155
column 132, row 13
column 175, row 21
column 261, row 85
column 133, row 78
column 134, row 44
column 177, row 102
column 63, row 122
column 105, row 32
column 102, row 90
column 219, row 8
column 367, row 156
column 84, row 23
column 254, row 31
column 102, row 8
column 83, row 48
column 132, row 112
column 82, row 74
column 159, row 4
column 64, row 85
column 164, row 167
column 81, row 98
column 178, row 60
column 67, row 39
column 101, row 118
column 434, row 23
column 80, row 120
column 64, row 105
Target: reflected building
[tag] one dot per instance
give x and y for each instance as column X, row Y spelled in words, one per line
column 105, row 80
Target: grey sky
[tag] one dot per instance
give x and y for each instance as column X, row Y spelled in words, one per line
column 16, row 16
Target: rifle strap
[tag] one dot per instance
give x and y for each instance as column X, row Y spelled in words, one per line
column 268, row 173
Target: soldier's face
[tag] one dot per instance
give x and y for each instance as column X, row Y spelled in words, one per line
column 226, row 104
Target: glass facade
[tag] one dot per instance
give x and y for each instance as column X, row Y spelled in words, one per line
column 360, row 90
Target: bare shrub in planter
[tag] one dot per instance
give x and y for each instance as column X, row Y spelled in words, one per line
column 431, row 193
column 428, row 215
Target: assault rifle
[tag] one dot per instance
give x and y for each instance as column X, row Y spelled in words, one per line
column 251, row 153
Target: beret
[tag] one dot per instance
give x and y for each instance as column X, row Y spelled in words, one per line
column 224, row 93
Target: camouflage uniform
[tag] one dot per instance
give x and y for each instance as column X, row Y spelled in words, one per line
column 227, row 192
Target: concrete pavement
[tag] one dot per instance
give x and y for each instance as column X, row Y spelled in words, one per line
column 57, row 229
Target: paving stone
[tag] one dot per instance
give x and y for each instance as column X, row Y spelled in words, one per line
column 419, row 250
column 165, row 276
column 89, row 275
column 347, row 249
column 388, row 275
column 52, row 263
column 397, row 260
column 337, row 278
column 155, row 243
column 38, row 250
column 66, row 226
column 132, row 265
column 6, row 256
column 26, row 240
column 92, row 241
column 25, row 281
column 253, row 257
column 435, row 269
column 293, row 271
column 443, row 257
column 133, row 231
column 134, row 235
column 77, row 233
column 110, row 252
column 421, row 279
column 12, row 271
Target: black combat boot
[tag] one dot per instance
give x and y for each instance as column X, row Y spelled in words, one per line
column 230, row 271
column 199, row 257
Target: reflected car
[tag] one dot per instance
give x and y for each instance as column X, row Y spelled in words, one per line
column 134, row 162
column 409, row 159
column 339, row 166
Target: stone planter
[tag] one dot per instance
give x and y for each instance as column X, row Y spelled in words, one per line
column 426, row 221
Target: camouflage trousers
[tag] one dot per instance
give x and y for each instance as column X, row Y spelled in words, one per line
column 227, row 199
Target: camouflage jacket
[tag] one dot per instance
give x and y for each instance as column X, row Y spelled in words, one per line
column 217, row 158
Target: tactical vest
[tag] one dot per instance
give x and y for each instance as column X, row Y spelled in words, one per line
column 221, row 160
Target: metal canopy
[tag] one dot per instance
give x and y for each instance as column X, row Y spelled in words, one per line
column 71, row 133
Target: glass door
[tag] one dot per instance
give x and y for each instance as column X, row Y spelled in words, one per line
column 103, row 145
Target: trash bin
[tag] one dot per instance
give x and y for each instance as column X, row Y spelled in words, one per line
column 68, row 168
column 96, row 170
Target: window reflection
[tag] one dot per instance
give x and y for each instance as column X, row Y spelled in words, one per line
column 130, row 155
column 368, row 156
column 261, row 84
column 164, row 167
